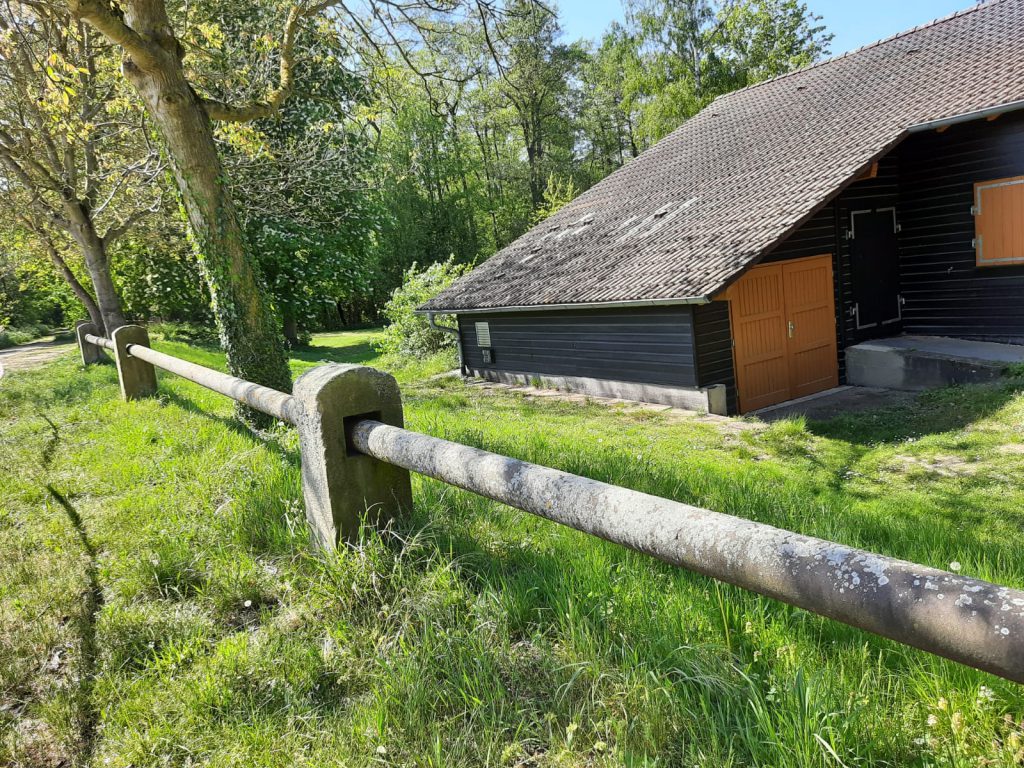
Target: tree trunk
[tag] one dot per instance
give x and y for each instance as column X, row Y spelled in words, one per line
column 95, row 253
column 248, row 328
column 291, row 331
column 95, row 316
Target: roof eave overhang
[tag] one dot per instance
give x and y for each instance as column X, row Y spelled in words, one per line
column 579, row 305
column 967, row 117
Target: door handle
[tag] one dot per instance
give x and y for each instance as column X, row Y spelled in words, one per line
column 791, row 328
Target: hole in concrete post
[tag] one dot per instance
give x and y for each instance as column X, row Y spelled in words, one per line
column 350, row 422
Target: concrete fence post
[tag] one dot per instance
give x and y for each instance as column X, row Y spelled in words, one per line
column 90, row 352
column 137, row 377
column 339, row 483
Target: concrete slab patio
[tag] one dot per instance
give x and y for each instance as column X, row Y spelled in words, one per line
column 916, row 363
column 836, row 402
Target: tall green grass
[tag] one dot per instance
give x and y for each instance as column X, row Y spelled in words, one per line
column 470, row 633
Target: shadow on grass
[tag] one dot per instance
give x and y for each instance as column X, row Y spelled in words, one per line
column 88, row 712
column 354, row 353
column 230, row 422
column 936, row 411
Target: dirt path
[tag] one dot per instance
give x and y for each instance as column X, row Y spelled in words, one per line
column 26, row 356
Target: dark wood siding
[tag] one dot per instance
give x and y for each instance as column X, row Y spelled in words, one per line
column 652, row 345
column 713, row 338
column 816, row 237
column 946, row 293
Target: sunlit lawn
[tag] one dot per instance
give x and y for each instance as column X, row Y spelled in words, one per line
column 159, row 604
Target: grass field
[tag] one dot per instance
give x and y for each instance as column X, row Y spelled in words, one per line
column 159, row 604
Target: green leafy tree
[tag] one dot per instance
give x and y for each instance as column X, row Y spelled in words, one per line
column 695, row 50
column 306, row 269
column 426, row 178
column 76, row 166
column 300, row 176
column 32, row 294
column 536, row 68
column 611, row 105
column 557, row 193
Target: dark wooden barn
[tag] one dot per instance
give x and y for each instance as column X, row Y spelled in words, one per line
column 732, row 265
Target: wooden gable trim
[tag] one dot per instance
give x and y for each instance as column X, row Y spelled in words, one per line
column 870, row 173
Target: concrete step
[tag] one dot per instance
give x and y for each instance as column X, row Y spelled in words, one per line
column 915, row 363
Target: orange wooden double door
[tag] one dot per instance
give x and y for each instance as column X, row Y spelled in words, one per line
column 784, row 331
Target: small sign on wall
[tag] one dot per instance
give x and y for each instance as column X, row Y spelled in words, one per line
column 488, row 355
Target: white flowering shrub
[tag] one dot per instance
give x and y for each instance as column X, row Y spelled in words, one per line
column 408, row 333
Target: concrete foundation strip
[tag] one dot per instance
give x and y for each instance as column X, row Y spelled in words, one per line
column 970, row 621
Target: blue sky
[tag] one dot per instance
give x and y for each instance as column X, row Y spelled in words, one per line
column 853, row 22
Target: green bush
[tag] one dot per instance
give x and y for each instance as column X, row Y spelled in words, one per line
column 10, row 337
column 408, row 333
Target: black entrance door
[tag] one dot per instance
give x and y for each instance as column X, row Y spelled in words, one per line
column 874, row 257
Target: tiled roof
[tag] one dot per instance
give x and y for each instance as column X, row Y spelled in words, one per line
column 689, row 214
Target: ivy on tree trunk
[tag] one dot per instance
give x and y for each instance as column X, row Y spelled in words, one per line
column 248, row 327
column 152, row 63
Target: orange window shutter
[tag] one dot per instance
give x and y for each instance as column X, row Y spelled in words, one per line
column 999, row 222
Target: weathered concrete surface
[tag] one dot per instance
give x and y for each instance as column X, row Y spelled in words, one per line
column 915, row 363
column 27, row 356
column 137, row 377
column 836, row 402
column 964, row 619
column 89, row 352
column 339, row 484
column 264, row 399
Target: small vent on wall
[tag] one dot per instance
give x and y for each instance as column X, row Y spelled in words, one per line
column 483, row 335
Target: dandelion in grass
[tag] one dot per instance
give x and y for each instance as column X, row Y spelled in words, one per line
column 986, row 694
column 955, row 566
column 570, row 732
column 932, row 721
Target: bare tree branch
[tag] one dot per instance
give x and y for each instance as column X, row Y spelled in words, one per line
column 118, row 230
